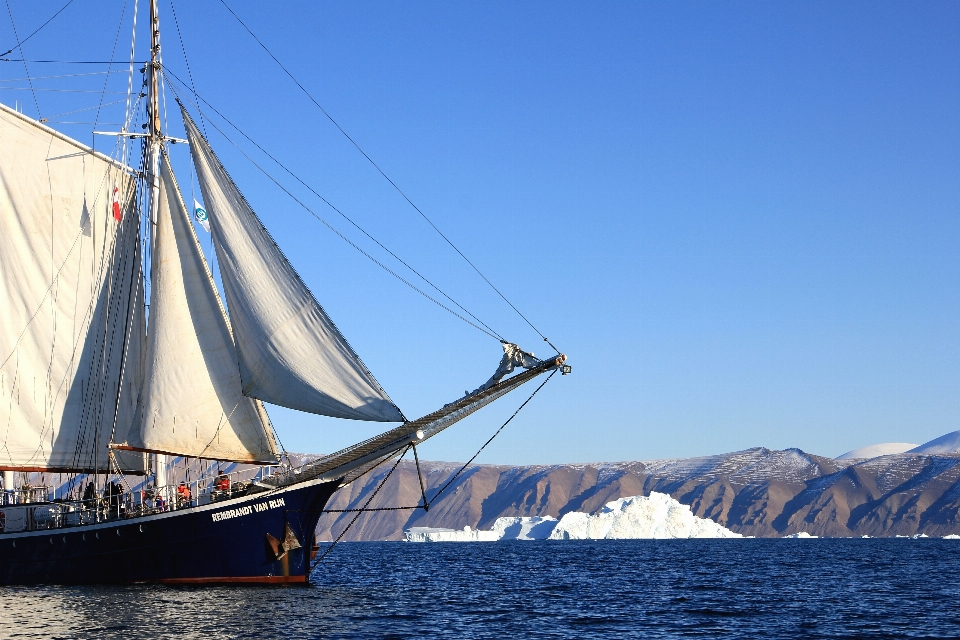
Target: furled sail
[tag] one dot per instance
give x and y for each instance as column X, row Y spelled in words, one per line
column 191, row 402
column 69, row 287
column 290, row 352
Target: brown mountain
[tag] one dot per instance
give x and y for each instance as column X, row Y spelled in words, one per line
column 758, row 492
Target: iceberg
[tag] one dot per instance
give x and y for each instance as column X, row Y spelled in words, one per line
column 657, row 516
column 435, row 534
column 524, row 528
column 803, row 535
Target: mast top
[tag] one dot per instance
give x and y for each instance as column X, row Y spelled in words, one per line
column 153, row 123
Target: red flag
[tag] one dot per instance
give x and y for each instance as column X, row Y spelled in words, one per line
column 116, row 205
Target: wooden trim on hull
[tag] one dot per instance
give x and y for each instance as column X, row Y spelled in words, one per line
column 238, row 580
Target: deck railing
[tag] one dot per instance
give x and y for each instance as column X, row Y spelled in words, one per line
column 33, row 508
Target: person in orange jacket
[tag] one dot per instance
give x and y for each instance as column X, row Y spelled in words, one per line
column 183, row 494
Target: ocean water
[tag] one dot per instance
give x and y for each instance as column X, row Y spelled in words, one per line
column 573, row 589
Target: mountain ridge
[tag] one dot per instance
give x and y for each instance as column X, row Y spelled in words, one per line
column 760, row 492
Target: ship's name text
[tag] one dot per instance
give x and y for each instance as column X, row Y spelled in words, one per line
column 247, row 510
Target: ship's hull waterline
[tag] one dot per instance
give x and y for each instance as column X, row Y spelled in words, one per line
column 223, row 542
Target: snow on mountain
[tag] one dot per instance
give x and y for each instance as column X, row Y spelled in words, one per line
column 757, row 492
column 874, row 450
column 639, row 517
column 747, row 466
column 947, row 443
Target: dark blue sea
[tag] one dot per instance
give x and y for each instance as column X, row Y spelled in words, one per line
column 575, row 589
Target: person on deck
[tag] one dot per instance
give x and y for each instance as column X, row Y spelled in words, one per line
column 222, row 483
column 183, row 494
column 147, row 496
column 89, row 494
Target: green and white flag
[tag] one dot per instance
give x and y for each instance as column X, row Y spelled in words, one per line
column 201, row 215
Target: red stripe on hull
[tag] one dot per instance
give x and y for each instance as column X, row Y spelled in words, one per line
column 241, row 579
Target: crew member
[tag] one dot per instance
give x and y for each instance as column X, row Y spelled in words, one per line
column 183, row 494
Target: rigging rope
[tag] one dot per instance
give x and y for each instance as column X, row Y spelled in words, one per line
column 329, row 204
column 326, row 552
column 20, row 43
column 2, row 59
column 382, row 173
column 106, row 80
column 510, row 419
column 35, row 89
column 336, row 231
column 25, row 69
column 426, row 505
column 186, row 61
column 56, row 77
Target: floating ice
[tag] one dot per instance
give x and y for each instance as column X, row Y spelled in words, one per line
column 525, row 528
column 434, row 534
column 952, row 536
column 802, row 534
column 639, row 517
column 634, row 518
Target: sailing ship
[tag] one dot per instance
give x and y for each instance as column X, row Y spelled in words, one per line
column 112, row 365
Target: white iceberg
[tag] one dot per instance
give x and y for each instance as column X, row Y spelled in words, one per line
column 435, row 534
column 524, row 528
column 952, row 536
column 801, row 535
column 657, row 516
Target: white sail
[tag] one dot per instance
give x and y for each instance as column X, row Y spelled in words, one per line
column 69, row 276
column 192, row 404
column 290, row 352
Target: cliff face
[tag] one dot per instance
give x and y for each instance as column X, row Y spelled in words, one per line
column 757, row 492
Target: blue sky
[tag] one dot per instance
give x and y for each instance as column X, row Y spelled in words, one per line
column 738, row 219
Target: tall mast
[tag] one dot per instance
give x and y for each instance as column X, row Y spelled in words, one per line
column 155, row 138
column 154, row 144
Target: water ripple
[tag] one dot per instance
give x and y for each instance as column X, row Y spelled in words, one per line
column 584, row 589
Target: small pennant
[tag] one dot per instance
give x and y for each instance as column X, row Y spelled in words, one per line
column 201, row 215
column 117, row 214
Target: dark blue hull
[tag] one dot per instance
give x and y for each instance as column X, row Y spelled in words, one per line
column 224, row 542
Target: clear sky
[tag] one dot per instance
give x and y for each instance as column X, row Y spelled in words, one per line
column 738, row 219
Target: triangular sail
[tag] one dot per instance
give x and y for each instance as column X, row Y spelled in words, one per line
column 69, row 278
column 192, row 403
column 290, row 352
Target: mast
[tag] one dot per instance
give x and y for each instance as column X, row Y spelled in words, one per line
column 155, row 136
column 154, row 145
